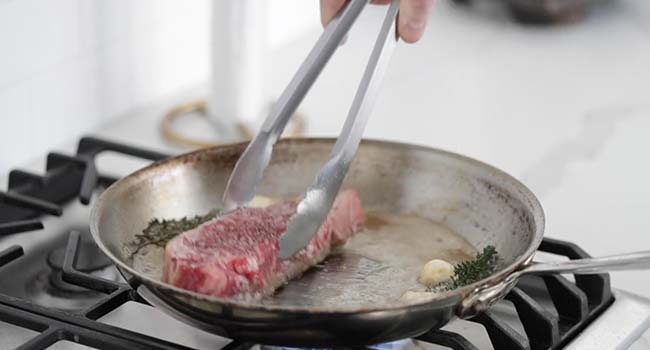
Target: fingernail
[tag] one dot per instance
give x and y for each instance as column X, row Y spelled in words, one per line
column 415, row 26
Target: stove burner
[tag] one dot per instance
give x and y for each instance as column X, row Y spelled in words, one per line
column 56, row 281
column 48, row 287
column 81, row 327
column 90, row 258
column 396, row 345
column 403, row 344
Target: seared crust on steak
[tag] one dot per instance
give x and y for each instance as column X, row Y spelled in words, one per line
column 236, row 255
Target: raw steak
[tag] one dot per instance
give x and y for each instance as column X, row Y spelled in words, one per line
column 236, row 255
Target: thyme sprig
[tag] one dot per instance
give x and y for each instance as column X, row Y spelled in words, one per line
column 470, row 271
column 159, row 232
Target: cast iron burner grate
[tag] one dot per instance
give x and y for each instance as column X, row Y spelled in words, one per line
column 575, row 305
column 30, row 195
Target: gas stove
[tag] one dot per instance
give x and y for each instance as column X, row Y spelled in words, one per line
column 57, row 290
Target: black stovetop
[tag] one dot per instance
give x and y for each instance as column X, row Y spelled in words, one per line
column 552, row 309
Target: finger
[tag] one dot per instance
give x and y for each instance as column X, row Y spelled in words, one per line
column 329, row 9
column 413, row 15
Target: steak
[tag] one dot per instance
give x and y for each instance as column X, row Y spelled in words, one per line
column 236, row 255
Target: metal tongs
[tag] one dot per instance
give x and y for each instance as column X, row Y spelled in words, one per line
column 317, row 202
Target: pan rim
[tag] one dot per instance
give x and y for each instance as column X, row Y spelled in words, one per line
column 520, row 260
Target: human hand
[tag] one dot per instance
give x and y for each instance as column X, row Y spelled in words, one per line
column 412, row 19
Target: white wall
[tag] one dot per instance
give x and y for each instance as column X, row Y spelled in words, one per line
column 67, row 66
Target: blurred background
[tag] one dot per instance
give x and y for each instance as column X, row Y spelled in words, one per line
column 555, row 92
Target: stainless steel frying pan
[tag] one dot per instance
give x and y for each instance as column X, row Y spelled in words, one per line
column 354, row 297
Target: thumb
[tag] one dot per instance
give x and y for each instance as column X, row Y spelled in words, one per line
column 329, row 9
column 413, row 15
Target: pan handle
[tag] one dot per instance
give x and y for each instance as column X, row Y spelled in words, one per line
column 487, row 295
column 631, row 261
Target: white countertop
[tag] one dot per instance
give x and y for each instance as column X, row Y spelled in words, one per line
column 566, row 109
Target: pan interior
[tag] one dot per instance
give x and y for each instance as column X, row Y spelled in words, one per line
column 422, row 204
